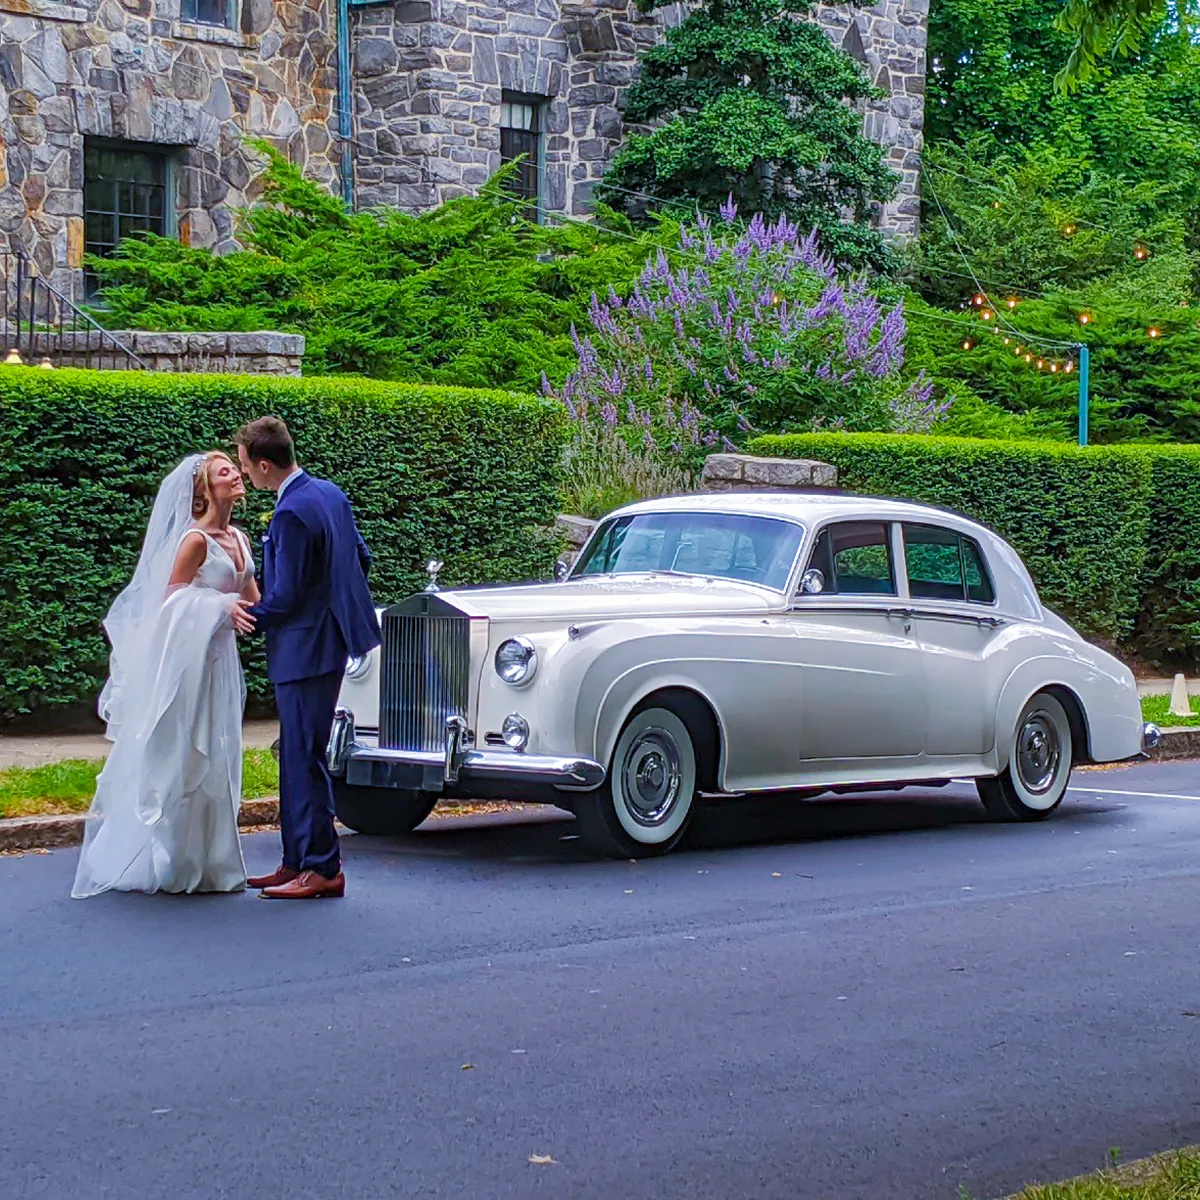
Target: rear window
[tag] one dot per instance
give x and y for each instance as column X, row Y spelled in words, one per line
column 945, row 565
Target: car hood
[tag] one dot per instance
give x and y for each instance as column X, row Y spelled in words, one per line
column 606, row 597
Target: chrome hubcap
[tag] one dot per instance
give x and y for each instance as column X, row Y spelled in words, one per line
column 1039, row 751
column 651, row 776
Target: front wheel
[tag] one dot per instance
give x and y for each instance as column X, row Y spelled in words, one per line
column 387, row 812
column 1034, row 781
column 644, row 806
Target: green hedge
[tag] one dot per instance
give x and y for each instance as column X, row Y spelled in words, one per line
column 1089, row 523
column 470, row 477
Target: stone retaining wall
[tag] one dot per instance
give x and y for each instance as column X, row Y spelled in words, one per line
column 203, row 353
column 745, row 472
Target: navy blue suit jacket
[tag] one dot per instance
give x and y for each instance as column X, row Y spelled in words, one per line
column 316, row 607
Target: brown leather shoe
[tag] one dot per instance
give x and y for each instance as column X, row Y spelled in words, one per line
column 277, row 878
column 309, row 885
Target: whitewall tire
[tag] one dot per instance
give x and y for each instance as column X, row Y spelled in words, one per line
column 1035, row 778
column 645, row 804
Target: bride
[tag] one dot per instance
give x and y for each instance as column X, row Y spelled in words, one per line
column 164, row 817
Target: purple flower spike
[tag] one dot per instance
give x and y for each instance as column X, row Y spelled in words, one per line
column 609, row 413
column 729, row 211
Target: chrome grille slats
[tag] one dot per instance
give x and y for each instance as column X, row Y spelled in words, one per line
column 425, row 677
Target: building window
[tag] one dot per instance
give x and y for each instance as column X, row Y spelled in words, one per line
column 124, row 192
column 521, row 134
column 207, row 12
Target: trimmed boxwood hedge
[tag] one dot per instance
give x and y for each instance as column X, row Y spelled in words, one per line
column 1111, row 534
column 470, row 477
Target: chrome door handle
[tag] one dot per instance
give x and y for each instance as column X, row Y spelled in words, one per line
column 904, row 613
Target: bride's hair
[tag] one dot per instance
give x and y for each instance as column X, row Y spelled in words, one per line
column 201, row 489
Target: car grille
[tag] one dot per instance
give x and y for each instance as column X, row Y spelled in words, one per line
column 426, row 665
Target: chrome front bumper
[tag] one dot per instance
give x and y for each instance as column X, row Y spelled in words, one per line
column 434, row 771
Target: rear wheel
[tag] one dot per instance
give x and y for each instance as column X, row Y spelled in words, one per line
column 1034, row 781
column 387, row 812
column 644, row 806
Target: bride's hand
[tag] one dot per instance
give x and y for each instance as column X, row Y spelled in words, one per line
column 243, row 621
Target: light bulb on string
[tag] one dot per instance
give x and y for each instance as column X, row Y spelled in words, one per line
column 1068, row 230
column 1054, row 368
column 1012, row 303
column 1007, row 341
column 1041, row 364
column 1141, row 253
column 987, row 314
column 1153, row 332
column 978, row 299
column 1029, row 358
column 967, row 344
column 1085, row 318
column 1069, row 367
column 995, row 203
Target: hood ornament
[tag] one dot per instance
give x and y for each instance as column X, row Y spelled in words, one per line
column 432, row 567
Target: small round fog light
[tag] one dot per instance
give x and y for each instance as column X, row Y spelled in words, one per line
column 515, row 731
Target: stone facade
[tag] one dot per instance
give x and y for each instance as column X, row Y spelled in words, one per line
column 428, row 81
column 214, row 353
column 431, row 75
column 889, row 38
column 131, row 71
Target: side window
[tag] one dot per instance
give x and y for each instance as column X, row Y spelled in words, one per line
column 943, row 565
column 979, row 582
column 856, row 559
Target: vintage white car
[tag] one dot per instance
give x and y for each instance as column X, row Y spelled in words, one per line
column 733, row 644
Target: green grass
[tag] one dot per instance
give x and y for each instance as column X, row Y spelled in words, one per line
column 1155, row 708
column 67, row 787
column 1174, row 1176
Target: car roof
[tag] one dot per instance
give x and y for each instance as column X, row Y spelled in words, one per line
column 806, row 507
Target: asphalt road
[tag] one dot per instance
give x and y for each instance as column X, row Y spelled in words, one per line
column 865, row 998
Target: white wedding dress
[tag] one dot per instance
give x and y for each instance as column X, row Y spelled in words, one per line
column 164, row 817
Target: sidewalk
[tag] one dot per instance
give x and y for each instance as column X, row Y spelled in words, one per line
column 37, row 751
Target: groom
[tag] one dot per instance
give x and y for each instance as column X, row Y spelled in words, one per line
column 317, row 612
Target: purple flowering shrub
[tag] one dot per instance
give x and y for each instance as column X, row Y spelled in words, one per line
column 732, row 334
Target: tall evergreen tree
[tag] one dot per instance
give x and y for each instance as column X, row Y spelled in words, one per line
column 749, row 99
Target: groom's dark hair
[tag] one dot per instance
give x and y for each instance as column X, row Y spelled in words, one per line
column 267, row 438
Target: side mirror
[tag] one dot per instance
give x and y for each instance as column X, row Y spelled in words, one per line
column 812, row 582
column 562, row 569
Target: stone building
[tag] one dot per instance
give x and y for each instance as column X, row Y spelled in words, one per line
column 121, row 115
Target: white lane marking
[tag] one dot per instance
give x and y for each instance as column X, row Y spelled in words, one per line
column 1115, row 792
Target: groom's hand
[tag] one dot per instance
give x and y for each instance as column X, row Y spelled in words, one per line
column 243, row 622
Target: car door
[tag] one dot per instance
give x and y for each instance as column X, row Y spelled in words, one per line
column 953, row 602
column 863, row 693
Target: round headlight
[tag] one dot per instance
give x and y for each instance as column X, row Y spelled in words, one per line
column 516, row 660
column 515, row 731
column 356, row 668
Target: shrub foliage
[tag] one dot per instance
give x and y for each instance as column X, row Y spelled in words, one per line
column 1111, row 534
column 469, row 477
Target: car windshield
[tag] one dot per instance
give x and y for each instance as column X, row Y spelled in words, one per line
column 750, row 549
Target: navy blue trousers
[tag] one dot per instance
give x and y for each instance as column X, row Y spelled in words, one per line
column 305, row 789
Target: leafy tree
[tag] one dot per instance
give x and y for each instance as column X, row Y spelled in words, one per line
column 750, row 102
column 1100, row 27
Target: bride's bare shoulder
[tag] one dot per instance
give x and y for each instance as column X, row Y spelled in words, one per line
column 189, row 558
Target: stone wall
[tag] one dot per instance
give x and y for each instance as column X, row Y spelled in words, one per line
column 430, row 75
column 132, row 71
column 212, row 353
column 746, row 472
column 889, row 39
column 430, row 78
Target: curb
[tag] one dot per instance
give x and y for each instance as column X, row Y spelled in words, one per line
column 48, row 833
column 1182, row 741
column 66, row 829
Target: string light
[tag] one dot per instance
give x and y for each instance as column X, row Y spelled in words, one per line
column 1141, row 253
column 1069, row 367
column 1068, row 231
column 1007, row 341
column 1085, row 318
column 995, row 203
column 968, row 344
column 1041, row 364
column 1053, row 368
column 1012, row 303
column 987, row 314
column 1153, row 332
column 978, row 299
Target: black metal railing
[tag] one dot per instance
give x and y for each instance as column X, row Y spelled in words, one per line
column 39, row 326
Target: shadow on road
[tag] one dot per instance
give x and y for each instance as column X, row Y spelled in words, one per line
column 548, row 835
